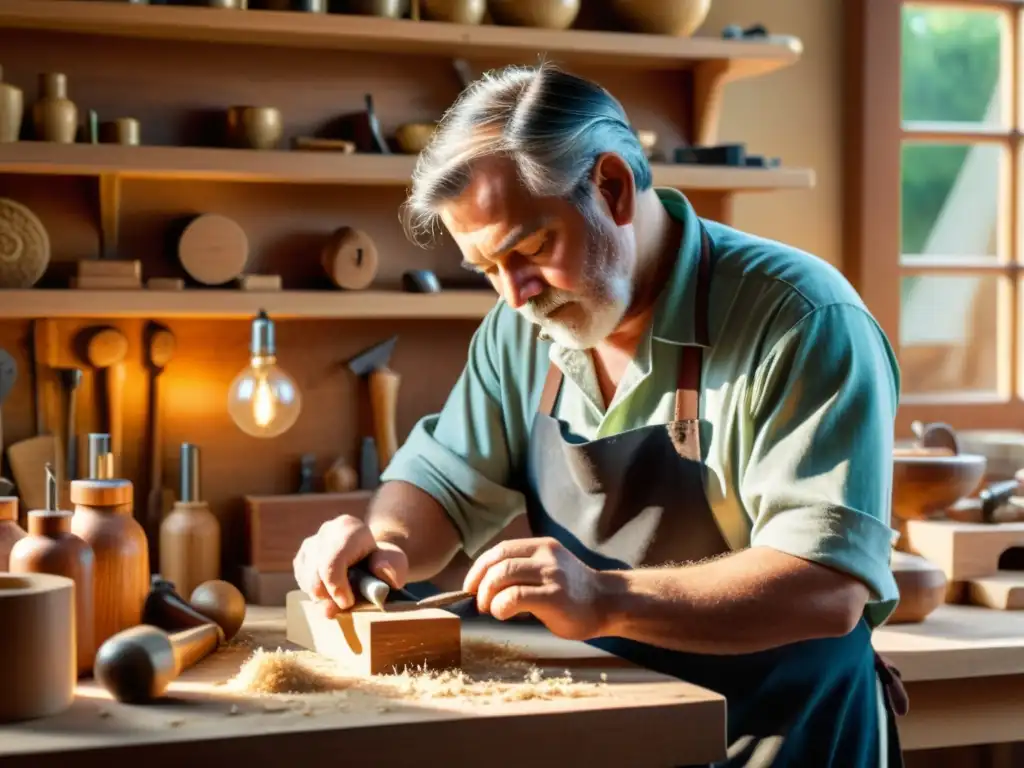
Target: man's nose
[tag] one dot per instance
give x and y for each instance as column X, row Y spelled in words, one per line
column 519, row 286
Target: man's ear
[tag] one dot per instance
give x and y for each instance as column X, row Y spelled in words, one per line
column 613, row 180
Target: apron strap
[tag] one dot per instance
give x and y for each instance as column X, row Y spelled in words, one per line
column 688, row 381
column 692, row 357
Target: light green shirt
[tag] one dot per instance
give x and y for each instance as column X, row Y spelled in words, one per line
column 800, row 389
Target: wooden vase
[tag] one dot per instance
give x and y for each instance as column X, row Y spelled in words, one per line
column 12, row 106
column 51, row 547
column 190, row 546
column 922, row 586
column 10, row 532
column 103, row 518
column 54, row 115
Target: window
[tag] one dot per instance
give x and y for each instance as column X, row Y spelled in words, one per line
column 935, row 234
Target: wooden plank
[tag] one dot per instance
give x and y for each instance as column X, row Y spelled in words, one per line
column 376, row 642
column 964, row 551
column 284, row 166
column 278, row 524
column 638, row 718
column 237, row 304
column 956, row 642
column 366, row 33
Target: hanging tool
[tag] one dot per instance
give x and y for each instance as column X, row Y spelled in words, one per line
column 383, row 385
column 106, row 351
column 8, row 375
column 160, row 347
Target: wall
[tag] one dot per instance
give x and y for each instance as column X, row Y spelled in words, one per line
column 794, row 114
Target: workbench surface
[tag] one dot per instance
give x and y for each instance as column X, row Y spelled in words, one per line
column 626, row 716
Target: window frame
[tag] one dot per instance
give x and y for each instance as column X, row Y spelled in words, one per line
column 871, row 230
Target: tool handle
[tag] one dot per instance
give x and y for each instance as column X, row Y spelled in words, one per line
column 193, row 645
column 115, row 412
column 364, row 583
column 384, row 384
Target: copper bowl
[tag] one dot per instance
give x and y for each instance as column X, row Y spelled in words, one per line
column 926, row 482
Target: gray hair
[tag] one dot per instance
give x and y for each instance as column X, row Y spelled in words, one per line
column 552, row 124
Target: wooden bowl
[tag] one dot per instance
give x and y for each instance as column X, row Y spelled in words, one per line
column 922, row 586
column 454, row 11
column 544, row 14
column 413, row 138
column 254, row 127
column 680, row 18
column 925, row 482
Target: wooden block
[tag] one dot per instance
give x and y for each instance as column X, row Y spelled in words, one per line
column 267, row 588
column 277, row 525
column 964, row 551
column 110, row 268
column 165, row 284
column 103, row 283
column 260, row 282
column 377, row 642
column 1003, row 591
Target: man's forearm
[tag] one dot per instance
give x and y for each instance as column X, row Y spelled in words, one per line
column 411, row 519
column 757, row 599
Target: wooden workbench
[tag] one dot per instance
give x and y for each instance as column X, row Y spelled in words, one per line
column 636, row 718
column 964, row 670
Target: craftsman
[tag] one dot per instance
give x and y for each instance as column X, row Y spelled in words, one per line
column 697, row 422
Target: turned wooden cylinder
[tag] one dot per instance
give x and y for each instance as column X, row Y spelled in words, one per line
column 190, row 546
column 51, row 547
column 103, row 518
column 54, row 115
column 37, row 645
column 10, row 531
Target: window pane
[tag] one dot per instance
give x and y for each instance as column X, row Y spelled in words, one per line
column 951, row 64
column 949, row 334
column 950, row 198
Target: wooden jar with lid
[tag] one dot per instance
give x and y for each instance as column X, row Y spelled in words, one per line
column 10, row 531
column 190, row 534
column 51, row 547
column 103, row 518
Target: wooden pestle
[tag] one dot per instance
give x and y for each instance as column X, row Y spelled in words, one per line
column 136, row 665
column 106, row 351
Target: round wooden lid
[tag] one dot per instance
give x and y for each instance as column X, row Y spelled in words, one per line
column 24, row 246
column 350, row 258
column 8, row 507
column 213, row 249
column 101, row 493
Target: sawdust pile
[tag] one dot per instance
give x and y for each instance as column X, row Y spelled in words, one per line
column 490, row 672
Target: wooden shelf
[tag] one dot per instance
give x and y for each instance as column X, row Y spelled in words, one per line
column 304, row 167
column 231, row 304
column 366, row 33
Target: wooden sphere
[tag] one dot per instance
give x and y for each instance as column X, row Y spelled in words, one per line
column 222, row 603
column 107, row 347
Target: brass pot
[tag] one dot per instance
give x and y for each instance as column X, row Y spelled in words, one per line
column 545, row 14
column 679, row 18
column 454, row 11
column 254, row 127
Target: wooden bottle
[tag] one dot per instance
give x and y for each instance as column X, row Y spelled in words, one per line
column 190, row 534
column 10, row 531
column 12, row 105
column 103, row 518
column 54, row 115
column 51, row 547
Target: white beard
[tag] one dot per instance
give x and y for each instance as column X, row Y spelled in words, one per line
column 603, row 300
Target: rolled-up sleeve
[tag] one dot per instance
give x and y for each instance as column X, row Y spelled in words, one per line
column 818, row 479
column 461, row 456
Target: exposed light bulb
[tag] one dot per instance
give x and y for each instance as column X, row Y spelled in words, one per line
column 263, row 400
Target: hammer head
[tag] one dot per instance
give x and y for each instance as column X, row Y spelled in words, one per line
column 373, row 359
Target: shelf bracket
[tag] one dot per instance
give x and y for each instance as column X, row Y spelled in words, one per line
column 109, row 213
column 709, row 81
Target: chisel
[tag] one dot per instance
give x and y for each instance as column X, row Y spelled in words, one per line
column 377, row 591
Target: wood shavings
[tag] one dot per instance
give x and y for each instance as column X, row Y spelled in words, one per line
column 490, row 672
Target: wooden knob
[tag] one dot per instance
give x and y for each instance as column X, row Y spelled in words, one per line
column 221, row 602
column 350, row 258
column 213, row 249
column 107, row 347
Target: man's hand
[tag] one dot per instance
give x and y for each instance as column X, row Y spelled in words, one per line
column 541, row 577
column 322, row 563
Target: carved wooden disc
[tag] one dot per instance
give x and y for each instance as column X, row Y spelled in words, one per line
column 24, row 246
column 213, row 249
column 350, row 258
